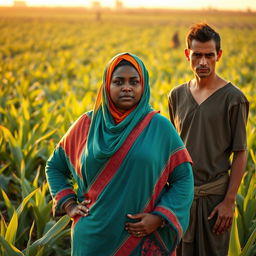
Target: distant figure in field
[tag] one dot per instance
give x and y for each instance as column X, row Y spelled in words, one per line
column 134, row 181
column 98, row 15
column 175, row 43
column 210, row 114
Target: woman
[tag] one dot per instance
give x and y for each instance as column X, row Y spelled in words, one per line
column 133, row 174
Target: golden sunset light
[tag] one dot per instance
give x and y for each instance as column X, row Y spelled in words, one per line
column 182, row 4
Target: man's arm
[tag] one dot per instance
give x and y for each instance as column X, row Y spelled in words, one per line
column 225, row 209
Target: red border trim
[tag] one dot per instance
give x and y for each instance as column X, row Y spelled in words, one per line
column 173, row 253
column 75, row 140
column 115, row 161
column 75, row 220
column 172, row 217
column 175, row 159
column 64, row 192
column 179, row 157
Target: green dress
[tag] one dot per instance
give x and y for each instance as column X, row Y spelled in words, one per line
column 137, row 165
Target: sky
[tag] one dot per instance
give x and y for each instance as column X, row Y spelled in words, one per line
column 178, row 4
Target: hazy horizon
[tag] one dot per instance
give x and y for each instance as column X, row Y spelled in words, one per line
column 182, row 4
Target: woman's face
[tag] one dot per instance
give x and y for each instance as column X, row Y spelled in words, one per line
column 125, row 88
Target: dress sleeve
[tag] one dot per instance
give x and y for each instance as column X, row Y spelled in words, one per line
column 64, row 164
column 59, row 179
column 238, row 120
column 174, row 205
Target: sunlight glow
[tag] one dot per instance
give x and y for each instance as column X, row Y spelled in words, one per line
column 181, row 4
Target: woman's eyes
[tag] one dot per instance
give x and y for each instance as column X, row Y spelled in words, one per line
column 118, row 82
column 121, row 82
column 134, row 82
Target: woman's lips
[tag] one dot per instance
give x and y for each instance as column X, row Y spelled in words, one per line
column 126, row 97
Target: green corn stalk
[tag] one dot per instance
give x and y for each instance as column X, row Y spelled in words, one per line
column 250, row 247
column 50, row 237
column 10, row 235
column 8, row 232
column 15, row 149
column 8, row 204
column 234, row 244
column 243, row 232
column 8, row 249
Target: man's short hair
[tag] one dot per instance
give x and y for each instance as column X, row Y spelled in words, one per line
column 202, row 32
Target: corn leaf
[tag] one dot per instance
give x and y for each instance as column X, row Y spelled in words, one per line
column 9, row 249
column 30, row 238
column 14, row 147
column 40, row 252
column 249, row 245
column 50, row 235
column 234, row 245
column 250, row 203
column 44, row 137
column 11, row 231
column 8, row 204
column 25, row 201
column 253, row 156
column 4, row 167
column 3, row 225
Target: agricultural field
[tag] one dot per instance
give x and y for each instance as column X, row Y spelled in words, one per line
column 51, row 65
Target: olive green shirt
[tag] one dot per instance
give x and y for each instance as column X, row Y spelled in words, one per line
column 211, row 130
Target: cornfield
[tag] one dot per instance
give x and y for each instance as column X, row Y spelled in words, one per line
column 52, row 62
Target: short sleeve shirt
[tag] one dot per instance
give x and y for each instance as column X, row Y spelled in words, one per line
column 211, row 130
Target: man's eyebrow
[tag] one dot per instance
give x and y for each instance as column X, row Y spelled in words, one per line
column 207, row 53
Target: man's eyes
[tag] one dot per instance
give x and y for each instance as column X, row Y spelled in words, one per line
column 207, row 55
column 197, row 54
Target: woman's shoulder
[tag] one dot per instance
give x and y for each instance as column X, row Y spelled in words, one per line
column 78, row 130
column 162, row 121
column 81, row 122
column 85, row 117
column 163, row 127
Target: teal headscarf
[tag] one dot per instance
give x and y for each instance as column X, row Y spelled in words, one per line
column 105, row 136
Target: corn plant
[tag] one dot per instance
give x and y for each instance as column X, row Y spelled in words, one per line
column 49, row 75
column 41, row 234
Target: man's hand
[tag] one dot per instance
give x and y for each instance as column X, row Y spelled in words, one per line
column 225, row 213
column 147, row 223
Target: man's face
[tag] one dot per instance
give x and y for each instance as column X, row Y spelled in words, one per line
column 203, row 57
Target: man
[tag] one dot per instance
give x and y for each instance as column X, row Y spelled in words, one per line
column 210, row 115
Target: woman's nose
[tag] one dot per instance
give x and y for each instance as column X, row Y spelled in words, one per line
column 126, row 88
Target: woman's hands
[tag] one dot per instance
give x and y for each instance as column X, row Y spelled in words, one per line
column 72, row 208
column 147, row 223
